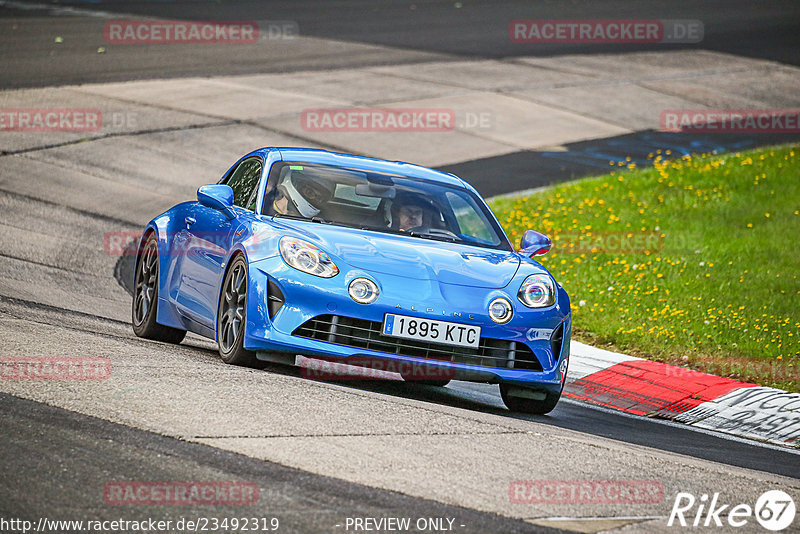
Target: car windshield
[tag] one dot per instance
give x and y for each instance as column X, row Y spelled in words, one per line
column 381, row 202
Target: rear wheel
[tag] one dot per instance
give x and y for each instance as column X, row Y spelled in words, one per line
column 232, row 316
column 524, row 400
column 145, row 297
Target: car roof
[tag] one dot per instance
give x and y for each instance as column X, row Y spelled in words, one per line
column 325, row 157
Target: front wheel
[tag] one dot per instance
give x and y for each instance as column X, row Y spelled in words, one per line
column 145, row 297
column 523, row 400
column 232, row 316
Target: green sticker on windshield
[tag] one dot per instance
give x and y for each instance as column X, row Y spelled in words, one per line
column 296, row 167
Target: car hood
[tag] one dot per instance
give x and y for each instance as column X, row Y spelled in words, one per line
column 411, row 257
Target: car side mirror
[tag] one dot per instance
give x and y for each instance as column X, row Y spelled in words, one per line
column 218, row 197
column 534, row 243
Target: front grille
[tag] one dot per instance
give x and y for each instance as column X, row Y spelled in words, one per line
column 363, row 334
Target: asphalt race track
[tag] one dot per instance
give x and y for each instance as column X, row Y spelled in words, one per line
column 409, row 32
column 86, row 449
column 322, row 452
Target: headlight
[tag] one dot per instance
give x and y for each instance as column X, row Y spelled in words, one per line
column 363, row 290
column 500, row 310
column 305, row 257
column 537, row 291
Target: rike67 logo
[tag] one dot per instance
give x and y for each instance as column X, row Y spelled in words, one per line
column 774, row 510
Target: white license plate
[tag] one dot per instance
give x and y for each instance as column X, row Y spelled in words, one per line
column 432, row 330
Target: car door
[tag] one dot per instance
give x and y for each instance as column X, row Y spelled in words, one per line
column 209, row 236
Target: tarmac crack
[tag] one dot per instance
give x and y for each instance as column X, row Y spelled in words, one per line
column 117, row 134
column 42, row 264
column 70, row 209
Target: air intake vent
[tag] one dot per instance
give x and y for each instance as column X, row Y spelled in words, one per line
column 275, row 298
column 362, row 334
column 556, row 341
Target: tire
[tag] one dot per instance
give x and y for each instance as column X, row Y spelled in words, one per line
column 145, row 297
column 232, row 317
column 527, row 405
column 438, row 383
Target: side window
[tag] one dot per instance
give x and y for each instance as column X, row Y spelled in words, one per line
column 244, row 182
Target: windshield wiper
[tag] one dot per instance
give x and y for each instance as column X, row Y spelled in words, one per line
column 315, row 219
column 422, row 235
column 433, row 237
column 287, row 216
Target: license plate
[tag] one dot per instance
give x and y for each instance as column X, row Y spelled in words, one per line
column 432, row 330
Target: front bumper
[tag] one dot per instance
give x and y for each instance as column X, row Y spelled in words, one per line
column 528, row 350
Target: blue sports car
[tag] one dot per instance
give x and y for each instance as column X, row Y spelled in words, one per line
column 301, row 252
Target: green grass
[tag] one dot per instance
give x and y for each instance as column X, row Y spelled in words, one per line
column 717, row 290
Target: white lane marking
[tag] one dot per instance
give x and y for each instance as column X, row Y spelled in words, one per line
column 693, row 428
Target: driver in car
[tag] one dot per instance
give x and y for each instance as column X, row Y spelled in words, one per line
column 302, row 195
column 411, row 211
